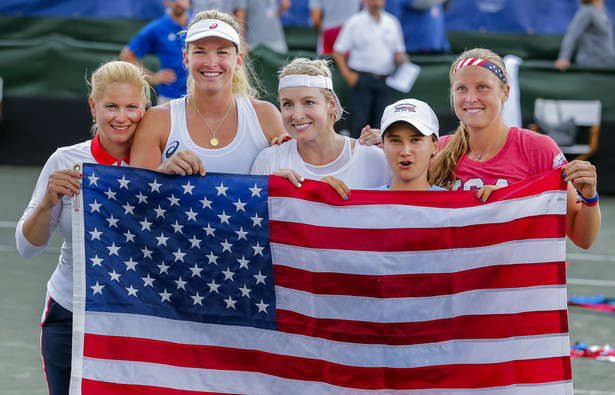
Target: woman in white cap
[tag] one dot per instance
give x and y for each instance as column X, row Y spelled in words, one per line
column 484, row 153
column 218, row 126
column 309, row 109
column 410, row 141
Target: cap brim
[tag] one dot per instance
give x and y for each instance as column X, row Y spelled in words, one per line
column 421, row 127
column 210, row 33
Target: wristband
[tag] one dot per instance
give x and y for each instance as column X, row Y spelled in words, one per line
column 589, row 202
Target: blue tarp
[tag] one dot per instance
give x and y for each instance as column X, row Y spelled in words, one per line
column 130, row 9
column 513, row 16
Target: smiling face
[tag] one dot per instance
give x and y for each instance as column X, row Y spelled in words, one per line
column 306, row 112
column 408, row 153
column 478, row 96
column 212, row 61
column 118, row 112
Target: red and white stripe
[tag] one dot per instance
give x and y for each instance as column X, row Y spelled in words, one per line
column 469, row 62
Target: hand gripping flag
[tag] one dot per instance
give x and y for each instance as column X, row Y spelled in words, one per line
column 244, row 284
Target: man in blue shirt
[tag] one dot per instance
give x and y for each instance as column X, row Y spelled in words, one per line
column 424, row 26
column 161, row 37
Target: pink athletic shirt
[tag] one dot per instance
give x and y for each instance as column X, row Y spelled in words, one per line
column 525, row 154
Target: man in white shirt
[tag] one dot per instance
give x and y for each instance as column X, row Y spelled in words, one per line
column 374, row 40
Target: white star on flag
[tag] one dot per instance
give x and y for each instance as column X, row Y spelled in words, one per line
column 197, row 299
column 256, row 191
column 123, row 182
column 128, row 209
column 93, row 179
column 221, row 189
column 130, row 264
column 174, row 201
column 112, row 222
column 155, row 186
column 95, row 206
column 97, row 288
column 95, row 234
column 206, row 203
column 110, row 194
column 142, row 198
column 132, row 291
column 188, row 188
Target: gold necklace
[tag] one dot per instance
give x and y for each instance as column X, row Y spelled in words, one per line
column 483, row 154
column 213, row 140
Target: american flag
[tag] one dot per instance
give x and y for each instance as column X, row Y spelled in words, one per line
column 245, row 284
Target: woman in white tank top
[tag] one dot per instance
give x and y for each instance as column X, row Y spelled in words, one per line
column 219, row 126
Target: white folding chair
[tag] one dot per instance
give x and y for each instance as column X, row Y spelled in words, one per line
column 560, row 119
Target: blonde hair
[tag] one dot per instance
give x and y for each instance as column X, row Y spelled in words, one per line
column 443, row 169
column 316, row 67
column 241, row 84
column 117, row 71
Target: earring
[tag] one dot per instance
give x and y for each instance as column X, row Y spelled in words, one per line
column 93, row 121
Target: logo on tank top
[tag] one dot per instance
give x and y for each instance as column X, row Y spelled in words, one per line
column 172, row 148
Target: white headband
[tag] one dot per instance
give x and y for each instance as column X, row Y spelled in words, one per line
column 309, row 81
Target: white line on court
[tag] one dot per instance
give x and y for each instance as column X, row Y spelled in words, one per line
column 590, row 392
column 594, row 283
column 8, row 224
column 48, row 250
column 591, row 257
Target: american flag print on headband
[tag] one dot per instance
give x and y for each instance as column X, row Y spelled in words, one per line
column 483, row 63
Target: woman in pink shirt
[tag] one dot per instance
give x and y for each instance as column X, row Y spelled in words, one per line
column 484, row 153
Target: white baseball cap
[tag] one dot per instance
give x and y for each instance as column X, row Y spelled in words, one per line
column 414, row 112
column 212, row 28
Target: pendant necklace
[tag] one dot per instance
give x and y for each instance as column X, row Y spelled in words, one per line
column 483, row 154
column 213, row 140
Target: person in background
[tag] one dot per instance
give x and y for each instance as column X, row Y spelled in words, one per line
column 328, row 18
column 219, row 125
column 162, row 38
column 261, row 24
column 485, row 153
column 424, row 28
column 373, row 38
column 309, row 109
column 118, row 99
column 591, row 31
column 220, row 5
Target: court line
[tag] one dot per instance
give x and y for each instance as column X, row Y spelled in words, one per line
column 594, row 283
column 48, row 250
column 591, row 257
column 8, row 224
column 590, row 392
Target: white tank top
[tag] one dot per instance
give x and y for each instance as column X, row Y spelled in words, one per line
column 237, row 157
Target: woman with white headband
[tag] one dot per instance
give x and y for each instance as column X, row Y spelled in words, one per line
column 485, row 154
column 309, row 109
column 218, row 126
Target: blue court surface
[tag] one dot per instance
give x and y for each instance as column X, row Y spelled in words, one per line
column 22, row 292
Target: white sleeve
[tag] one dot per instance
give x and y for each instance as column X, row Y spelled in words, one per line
column 343, row 43
column 401, row 45
column 24, row 247
column 262, row 164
